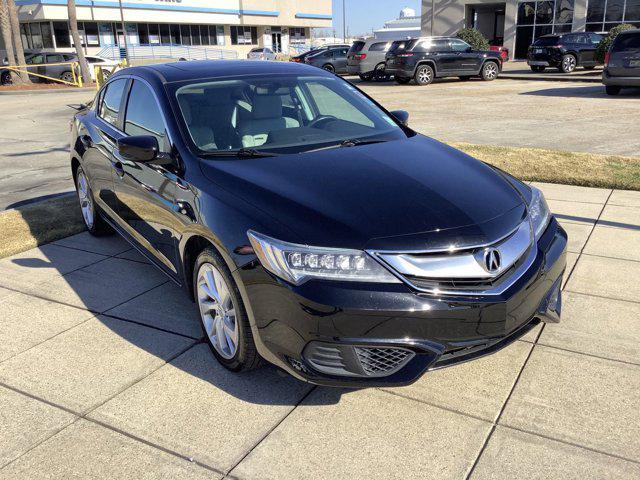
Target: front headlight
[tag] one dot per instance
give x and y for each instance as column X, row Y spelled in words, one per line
column 538, row 212
column 299, row 263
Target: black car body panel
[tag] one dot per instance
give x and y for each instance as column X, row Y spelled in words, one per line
column 375, row 199
column 623, row 66
column 441, row 53
column 548, row 50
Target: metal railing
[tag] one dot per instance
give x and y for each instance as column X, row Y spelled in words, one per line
column 145, row 52
column 28, row 69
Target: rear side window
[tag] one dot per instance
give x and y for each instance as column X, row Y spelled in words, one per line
column 111, row 101
column 546, row 41
column 627, row 43
column 143, row 116
column 356, row 47
column 379, row 47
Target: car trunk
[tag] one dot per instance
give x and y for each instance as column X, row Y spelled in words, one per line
column 353, row 55
column 624, row 59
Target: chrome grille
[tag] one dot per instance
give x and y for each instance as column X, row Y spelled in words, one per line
column 377, row 361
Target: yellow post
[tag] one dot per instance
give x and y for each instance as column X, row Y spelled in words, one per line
column 73, row 74
column 97, row 70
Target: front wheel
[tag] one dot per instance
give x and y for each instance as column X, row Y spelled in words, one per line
column 424, row 75
column 329, row 68
column 568, row 64
column 95, row 224
column 67, row 77
column 489, row 71
column 5, row 78
column 612, row 90
column 224, row 319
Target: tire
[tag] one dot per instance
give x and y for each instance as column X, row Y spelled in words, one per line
column 5, row 78
column 568, row 64
column 424, row 75
column 329, row 68
column 93, row 220
column 67, row 76
column 612, row 89
column 105, row 74
column 379, row 74
column 489, row 71
column 402, row 80
column 222, row 311
column 537, row 69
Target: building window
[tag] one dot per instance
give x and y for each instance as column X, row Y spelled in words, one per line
column 91, row 37
column 36, row 35
column 541, row 18
column 61, row 34
column 185, row 33
column 603, row 15
column 175, row 34
column 154, row 34
column 297, row 35
column 143, row 33
column 244, row 35
column 165, row 36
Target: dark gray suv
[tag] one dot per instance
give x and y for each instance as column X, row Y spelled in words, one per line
column 622, row 62
column 333, row 60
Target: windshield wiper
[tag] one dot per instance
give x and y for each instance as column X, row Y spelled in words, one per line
column 347, row 143
column 241, row 153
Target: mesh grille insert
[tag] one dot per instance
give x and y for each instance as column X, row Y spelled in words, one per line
column 377, row 361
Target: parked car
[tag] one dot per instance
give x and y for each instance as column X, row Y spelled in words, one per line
column 622, row 62
column 426, row 58
column 107, row 65
column 312, row 227
column 565, row 51
column 300, row 58
column 63, row 72
column 332, row 60
column 261, row 54
column 366, row 58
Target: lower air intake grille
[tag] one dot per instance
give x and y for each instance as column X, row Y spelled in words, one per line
column 382, row 361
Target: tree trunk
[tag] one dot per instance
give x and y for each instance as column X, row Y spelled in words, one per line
column 17, row 39
column 73, row 23
column 5, row 27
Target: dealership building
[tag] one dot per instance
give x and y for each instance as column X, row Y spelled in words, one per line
column 230, row 25
column 516, row 24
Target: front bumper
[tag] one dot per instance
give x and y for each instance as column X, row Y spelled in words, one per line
column 361, row 329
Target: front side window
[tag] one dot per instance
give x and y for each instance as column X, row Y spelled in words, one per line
column 459, row 46
column 111, row 100
column 285, row 114
column 143, row 115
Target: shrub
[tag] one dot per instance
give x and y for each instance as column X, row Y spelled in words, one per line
column 605, row 43
column 474, row 38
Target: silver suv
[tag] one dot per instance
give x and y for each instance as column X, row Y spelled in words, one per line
column 366, row 58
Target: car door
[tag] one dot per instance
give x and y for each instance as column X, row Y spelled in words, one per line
column 56, row 70
column 446, row 60
column 98, row 143
column 466, row 59
column 340, row 59
column 586, row 51
column 146, row 192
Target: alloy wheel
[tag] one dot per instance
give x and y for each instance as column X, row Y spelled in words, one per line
column 217, row 311
column 67, row 77
column 490, row 71
column 568, row 63
column 424, row 75
column 86, row 202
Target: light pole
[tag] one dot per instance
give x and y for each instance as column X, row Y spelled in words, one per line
column 344, row 22
column 433, row 12
column 124, row 33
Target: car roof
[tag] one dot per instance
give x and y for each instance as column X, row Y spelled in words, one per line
column 206, row 69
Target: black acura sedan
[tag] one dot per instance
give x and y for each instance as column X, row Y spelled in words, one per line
column 312, row 227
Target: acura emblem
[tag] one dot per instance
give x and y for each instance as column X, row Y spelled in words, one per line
column 492, row 260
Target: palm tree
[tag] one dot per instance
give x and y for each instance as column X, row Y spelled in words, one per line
column 5, row 27
column 17, row 40
column 73, row 22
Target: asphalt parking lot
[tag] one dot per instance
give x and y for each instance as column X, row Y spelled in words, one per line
column 103, row 374
column 544, row 114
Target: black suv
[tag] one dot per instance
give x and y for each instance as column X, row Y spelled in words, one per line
column 564, row 52
column 424, row 59
column 622, row 62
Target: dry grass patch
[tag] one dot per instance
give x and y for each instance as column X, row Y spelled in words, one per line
column 27, row 227
column 553, row 166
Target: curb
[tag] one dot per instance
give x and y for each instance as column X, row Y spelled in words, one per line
column 546, row 78
column 47, row 91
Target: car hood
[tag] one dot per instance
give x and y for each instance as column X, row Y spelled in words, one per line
column 402, row 194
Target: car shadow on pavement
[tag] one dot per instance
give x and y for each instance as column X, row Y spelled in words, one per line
column 592, row 91
column 141, row 306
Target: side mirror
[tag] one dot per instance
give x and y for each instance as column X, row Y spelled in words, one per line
column 402, row 116
column 139, row 148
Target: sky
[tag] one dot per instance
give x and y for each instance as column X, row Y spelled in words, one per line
column 363, row 15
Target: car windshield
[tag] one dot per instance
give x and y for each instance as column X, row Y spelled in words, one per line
column 280, row 114
column 546, row 41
